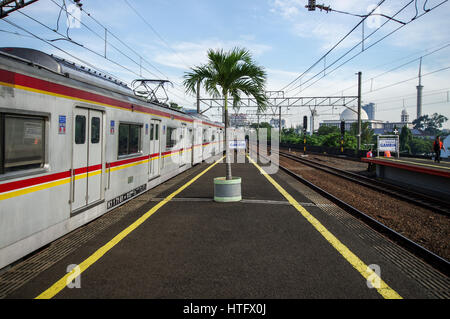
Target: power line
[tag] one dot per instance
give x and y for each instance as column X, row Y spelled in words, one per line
column 58, row 48
column 410, row 96
column 329, row 51
column 117, row 49
column 354, row 56
column 410, row 79
column 155, row 32
column 117, row 38
column 398, row 67
column 357, row 54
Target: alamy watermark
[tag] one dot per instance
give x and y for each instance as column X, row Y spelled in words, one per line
column 374, row 278
column 74, row 278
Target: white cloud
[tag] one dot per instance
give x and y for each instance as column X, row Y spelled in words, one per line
column 189, row 54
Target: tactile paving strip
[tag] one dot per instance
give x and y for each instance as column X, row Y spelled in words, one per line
column 23, row 271
column 436, row 283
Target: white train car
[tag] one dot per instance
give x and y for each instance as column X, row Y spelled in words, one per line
column 74, row 145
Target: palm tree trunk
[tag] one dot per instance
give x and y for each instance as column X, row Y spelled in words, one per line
column 227, row 144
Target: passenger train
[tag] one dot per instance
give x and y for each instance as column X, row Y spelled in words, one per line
column 75, row 144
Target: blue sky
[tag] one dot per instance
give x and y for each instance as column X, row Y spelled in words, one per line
column 283, row 36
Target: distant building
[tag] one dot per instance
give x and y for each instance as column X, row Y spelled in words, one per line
column 370, row 110
column 404, row 117
column 275, row 123
column 350, row 116
column 239, row 120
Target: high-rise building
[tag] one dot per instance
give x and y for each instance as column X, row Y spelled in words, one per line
column 370, row 110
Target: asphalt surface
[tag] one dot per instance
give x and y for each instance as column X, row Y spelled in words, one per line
column 195, row 248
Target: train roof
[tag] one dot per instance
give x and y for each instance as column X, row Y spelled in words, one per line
column 85, row 74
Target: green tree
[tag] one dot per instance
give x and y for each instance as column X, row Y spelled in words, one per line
column 421, row 146
column 325, row 130
column 405, row 140
column 229, row 74
column 430, row 125
column 366, row 132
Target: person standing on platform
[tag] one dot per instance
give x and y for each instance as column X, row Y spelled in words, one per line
column 369, row 154
column 437, row 146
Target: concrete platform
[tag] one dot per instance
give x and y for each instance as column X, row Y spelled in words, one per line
column 420, row 174
column 261, row 247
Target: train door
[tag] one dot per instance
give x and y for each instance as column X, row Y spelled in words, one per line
column 87, row 172
column 192, row 143
column 155, row 149
column 183, row 140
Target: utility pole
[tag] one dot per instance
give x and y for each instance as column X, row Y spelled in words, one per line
column 359, row 111
column 198, row 97
column 419, row 91
column 279, row 125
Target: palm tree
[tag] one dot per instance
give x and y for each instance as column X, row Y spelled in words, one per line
column 229, row 74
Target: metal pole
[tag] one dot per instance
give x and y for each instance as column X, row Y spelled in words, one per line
column 198, row 97
column 359, row 111
column 279, row 125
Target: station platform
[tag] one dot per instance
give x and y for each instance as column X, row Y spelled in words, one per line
column 421, row 174
column 281, row 241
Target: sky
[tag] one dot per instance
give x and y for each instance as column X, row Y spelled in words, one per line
column 160, row 39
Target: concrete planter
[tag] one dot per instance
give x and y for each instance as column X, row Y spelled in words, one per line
column 227, row 190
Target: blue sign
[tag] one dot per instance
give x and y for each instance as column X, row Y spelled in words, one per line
column 62, row 124
column 111, row 130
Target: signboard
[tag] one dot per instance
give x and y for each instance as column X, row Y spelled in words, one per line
column 111, row 127
column 237, row 145
column 62, row 124
column 388, row 145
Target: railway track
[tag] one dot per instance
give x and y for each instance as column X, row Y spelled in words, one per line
column 432, row 203
column 428, row 256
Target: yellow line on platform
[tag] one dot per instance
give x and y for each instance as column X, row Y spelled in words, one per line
column 383, row 289
column 415, row 163
column 69, row 277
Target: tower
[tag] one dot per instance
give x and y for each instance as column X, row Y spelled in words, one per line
column 419, row 91
column 404, row 116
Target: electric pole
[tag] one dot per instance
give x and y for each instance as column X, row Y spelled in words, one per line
column 359, row 111
column 198, row 97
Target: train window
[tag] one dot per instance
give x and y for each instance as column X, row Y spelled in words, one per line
column 80, row 129
column 205, row 135
column 129, row 139
column 171, row 137
column 156, row 131
column 151, row 131
column 23, row 142
column 95, row 130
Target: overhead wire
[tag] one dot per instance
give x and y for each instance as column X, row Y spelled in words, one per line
column 396, row 67
column 58, row 48
column 117, row 49
column 350, row 50
column 330, row 50
column 357, row 54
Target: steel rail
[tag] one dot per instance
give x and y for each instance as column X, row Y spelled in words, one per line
column 435, row 204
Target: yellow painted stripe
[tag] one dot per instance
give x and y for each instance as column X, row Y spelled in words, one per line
column 112, row 169
column 415, row 163
column 32, row 189
column 60, row 284
column 384, row 290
